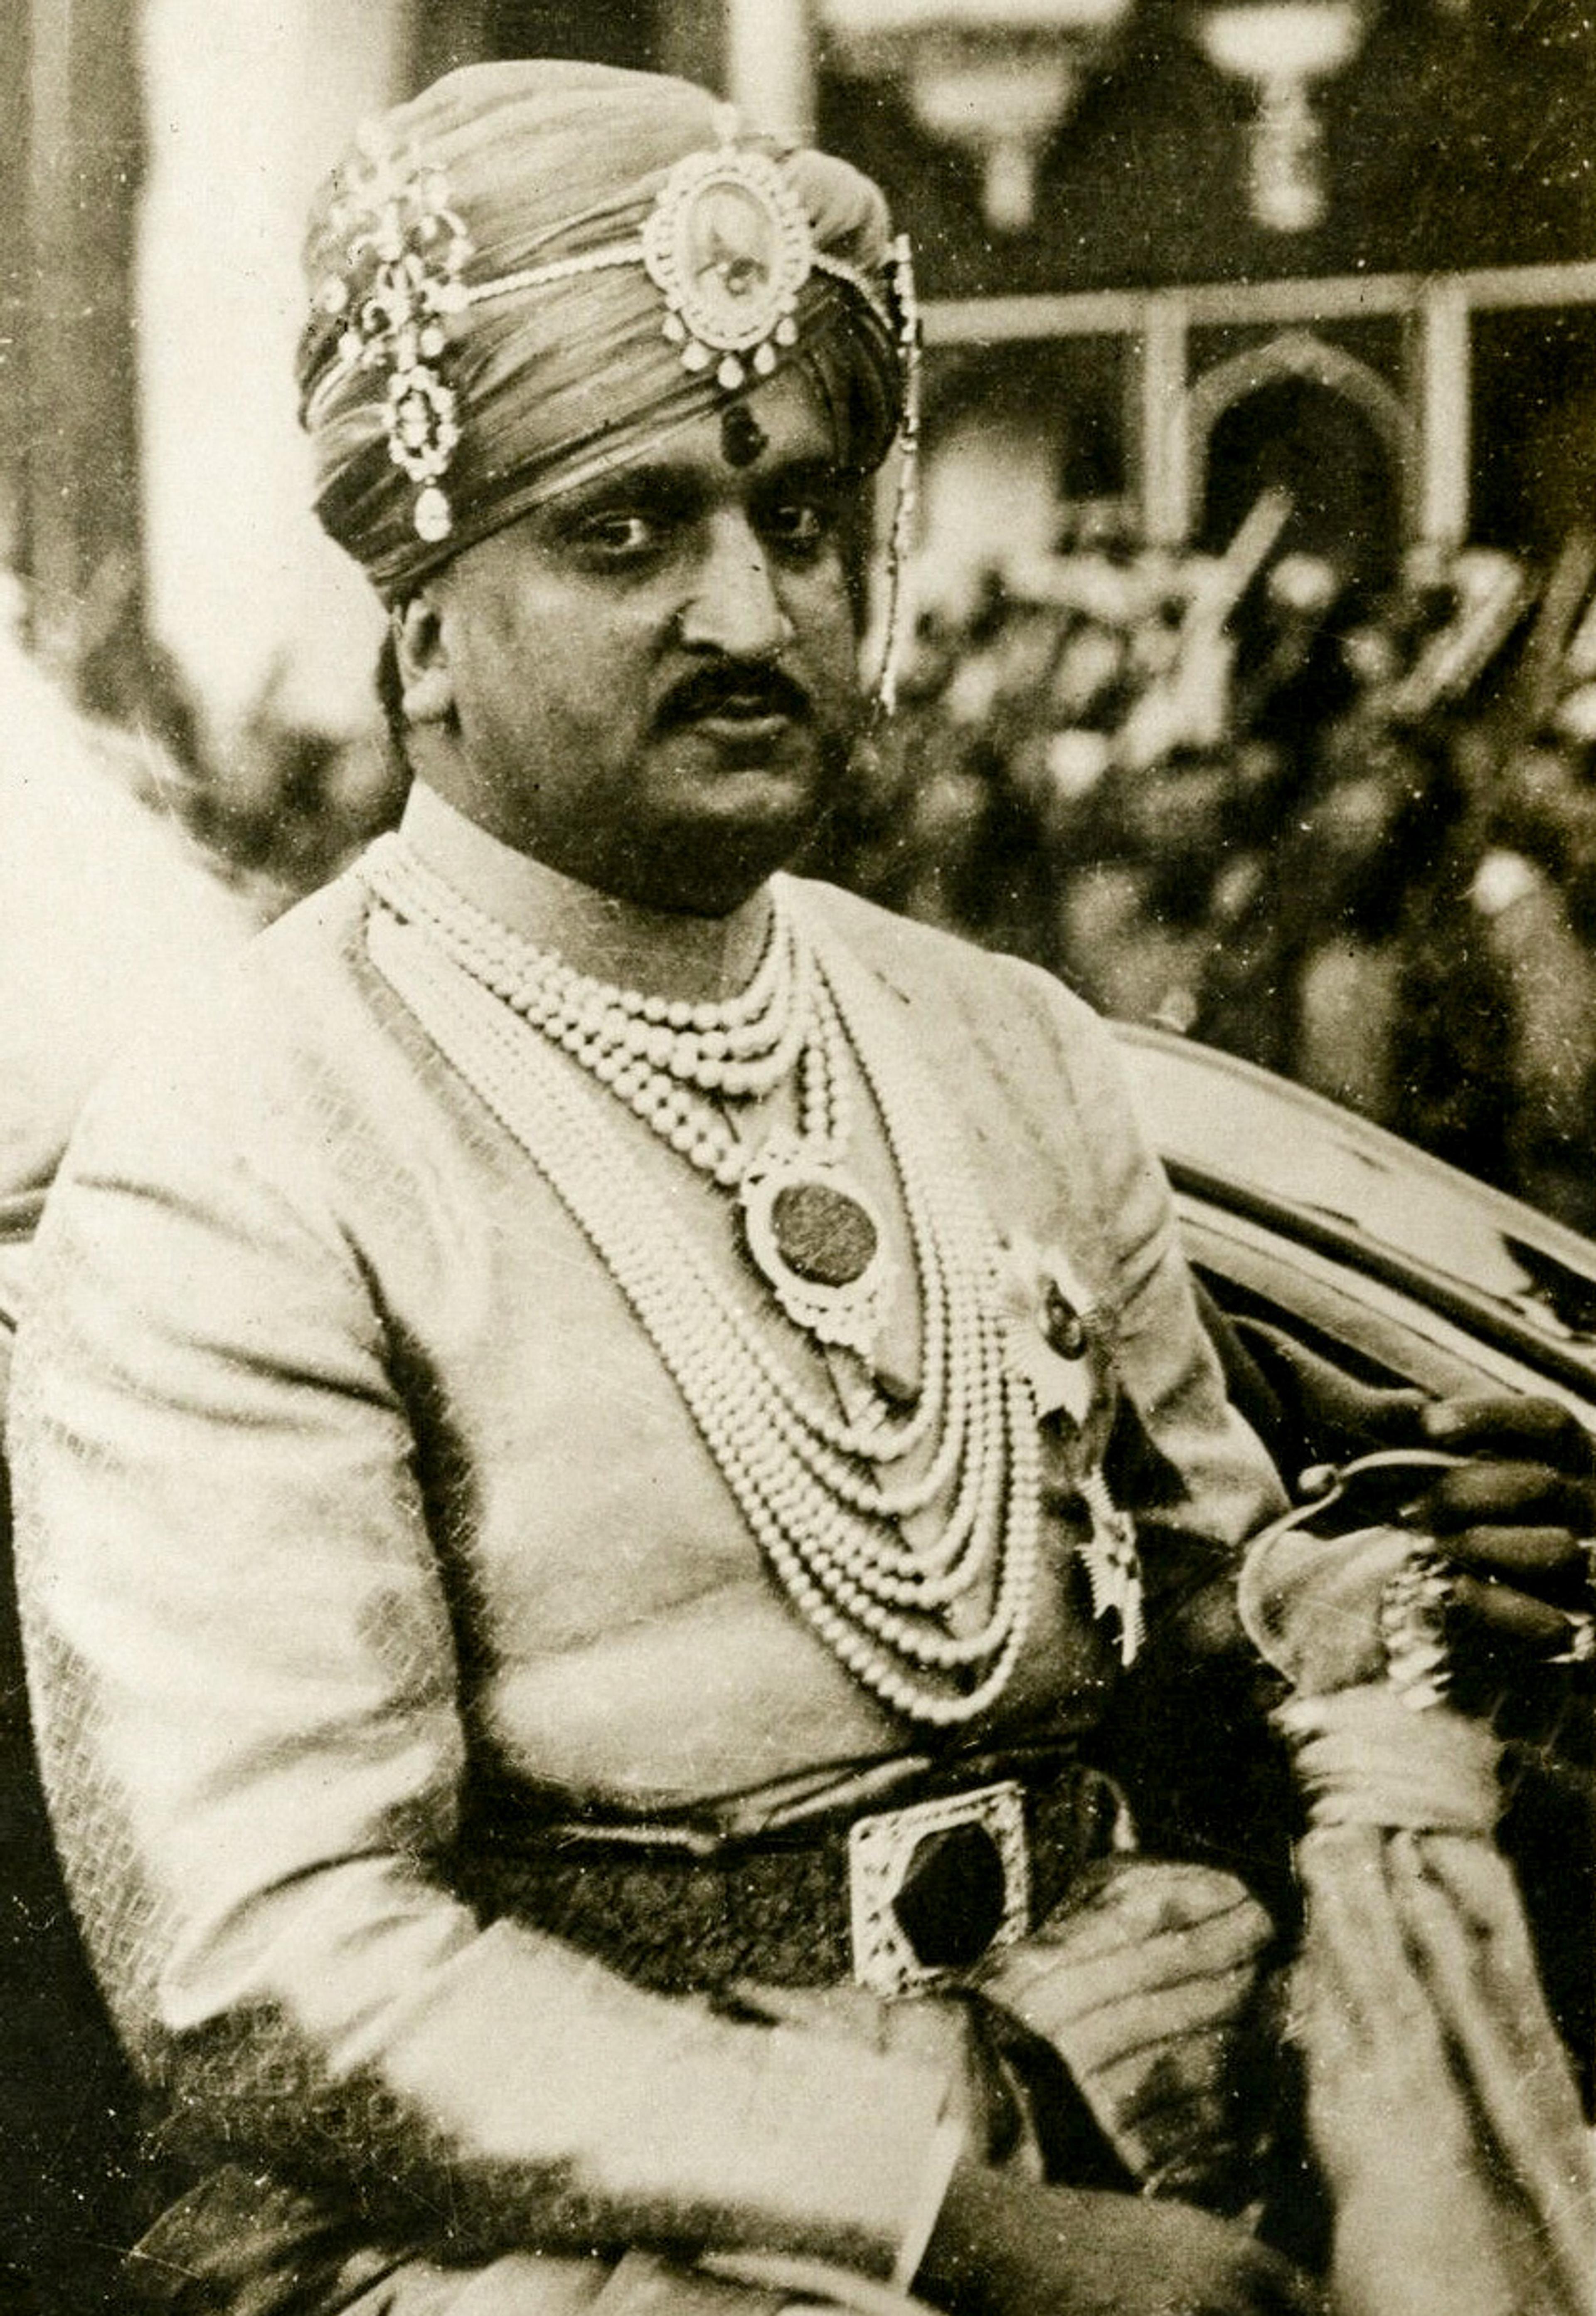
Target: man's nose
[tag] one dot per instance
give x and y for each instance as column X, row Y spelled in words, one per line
column 734, row 606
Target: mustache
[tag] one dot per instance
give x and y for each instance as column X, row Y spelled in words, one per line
column 745, row 687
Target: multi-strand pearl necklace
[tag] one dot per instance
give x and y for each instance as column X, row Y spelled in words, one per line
column 824, row 1492
column 660, row 1056
column 810, row 1229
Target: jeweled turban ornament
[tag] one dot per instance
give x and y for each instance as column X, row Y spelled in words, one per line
column 402, row 217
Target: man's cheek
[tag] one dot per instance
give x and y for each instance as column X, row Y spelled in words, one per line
column 835, row 676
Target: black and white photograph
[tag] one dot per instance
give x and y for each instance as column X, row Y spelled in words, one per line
column 798, row 1158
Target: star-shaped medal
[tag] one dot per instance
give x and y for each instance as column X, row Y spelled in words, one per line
column 1112, row 1564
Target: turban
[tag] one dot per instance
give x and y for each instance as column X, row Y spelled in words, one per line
column 485, row 330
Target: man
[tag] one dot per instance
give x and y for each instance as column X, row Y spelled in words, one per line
column 574, row 1434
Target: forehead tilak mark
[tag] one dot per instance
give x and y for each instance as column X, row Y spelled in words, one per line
column 742, row 438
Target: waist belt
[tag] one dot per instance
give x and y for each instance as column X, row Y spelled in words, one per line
column 897, row 1898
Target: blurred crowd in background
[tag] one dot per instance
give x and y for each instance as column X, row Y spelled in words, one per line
column 1352, row 838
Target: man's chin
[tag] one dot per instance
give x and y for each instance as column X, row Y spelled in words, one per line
column 713, row 867
column 720, row 828
column 709, row 862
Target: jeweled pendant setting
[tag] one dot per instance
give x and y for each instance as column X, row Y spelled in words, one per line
column 817, row 1241
column 728, row 245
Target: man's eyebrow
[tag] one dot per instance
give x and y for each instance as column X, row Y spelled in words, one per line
column 817, row 466
column 659, row 481
column 664, row 483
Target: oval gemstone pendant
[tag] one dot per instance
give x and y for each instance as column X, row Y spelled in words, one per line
column 816, row 1240
column 822, row 1233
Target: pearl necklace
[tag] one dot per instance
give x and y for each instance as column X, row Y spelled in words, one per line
column 823, row 1494
column 651, row 1051
column 808, row 1228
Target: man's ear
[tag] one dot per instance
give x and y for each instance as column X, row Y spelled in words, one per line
column 426, row 684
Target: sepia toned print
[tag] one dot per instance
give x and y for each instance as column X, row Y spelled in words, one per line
column 714, row 1599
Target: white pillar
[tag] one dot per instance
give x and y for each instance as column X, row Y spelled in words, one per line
column 1165, row 432
column 247, row 108
column 770, row 74
column 1444, row 394
column 55, row 574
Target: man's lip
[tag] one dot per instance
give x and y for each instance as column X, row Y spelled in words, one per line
column 725, row 701
column 749, row 726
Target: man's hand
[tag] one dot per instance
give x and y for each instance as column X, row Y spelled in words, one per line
column 1007, row 2246
column 1517, row 1518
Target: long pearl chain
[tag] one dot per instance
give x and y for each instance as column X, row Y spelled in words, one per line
column 824, row 1494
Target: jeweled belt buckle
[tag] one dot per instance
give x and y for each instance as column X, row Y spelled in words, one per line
column 933, row 1886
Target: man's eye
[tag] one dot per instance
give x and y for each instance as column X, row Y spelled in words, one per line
column 623, row 532
column 803, row 526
